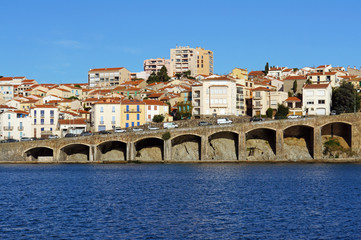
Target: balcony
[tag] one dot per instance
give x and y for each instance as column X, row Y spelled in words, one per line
column 42, row 116
column 113, row 122
column 196, row 95
column 8, row 128
column 52, row 116
column 20, row 128
column 133, row 111
column 101, row 122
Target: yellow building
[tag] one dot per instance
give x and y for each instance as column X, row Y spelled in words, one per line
column 240, row 73
column 204, row 61
column 132, row 113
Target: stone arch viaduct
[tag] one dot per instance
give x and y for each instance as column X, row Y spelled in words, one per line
column 198, row 144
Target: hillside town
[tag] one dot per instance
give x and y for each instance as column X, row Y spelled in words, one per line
column 180, row 88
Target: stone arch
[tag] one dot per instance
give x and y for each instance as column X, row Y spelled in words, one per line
column 340, row 131
column 75, row 152
column 112, row 150
column 261, row 144
column 149, row 149
column 186, row 147
column 299, row 142
column 223, row 145
column 39, row 153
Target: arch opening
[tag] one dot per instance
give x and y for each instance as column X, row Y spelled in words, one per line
column 112, row 151
column 261, row 144
column 298, row 142
column 186, row 147
column 75, row 153
column 149, row 149
column 39, row 154
column 223, row 146
column 336, row 139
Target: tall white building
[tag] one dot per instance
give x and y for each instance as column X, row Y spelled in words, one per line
column 45, row 120
column 15, row 124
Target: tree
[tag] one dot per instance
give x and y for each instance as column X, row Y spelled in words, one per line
column 178, row 75
column 308, row 81
column 345, row 98
column 282, row 111
column 152, row 78
column 158, row 118
column 186, row 74
column 77, row 86
column 178, row 116
column 163, row 75
column 294, row 87
column 269, row 113
column 266, row 69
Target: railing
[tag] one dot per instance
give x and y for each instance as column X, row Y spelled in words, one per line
column 8, row 128
column 52, row 116
column 133, row 111
column 196, row 96
column 113, row 122
column 20, row 128
column 42, row 116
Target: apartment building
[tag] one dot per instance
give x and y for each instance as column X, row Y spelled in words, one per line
column 7, row 91
column 45, row 120
column 15, row 124
column 196, row 60
column 317, row 99
column 214, row 97
column 264, row 98
column 240, row 73
column 106, row 77
column 155, row 64
column 106, row 115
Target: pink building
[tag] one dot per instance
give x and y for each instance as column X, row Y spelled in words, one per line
column 155, row 64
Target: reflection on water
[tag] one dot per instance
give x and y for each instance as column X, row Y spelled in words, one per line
column 189, row 201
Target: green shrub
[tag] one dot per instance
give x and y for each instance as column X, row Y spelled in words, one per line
column 166, row 136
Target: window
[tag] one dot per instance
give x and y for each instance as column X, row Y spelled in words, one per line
column 34, row 121
column 321, row 101
column 127, row 125
column 132, row 124
column 310, row 102
column 138, row 123
column 101, row 109
column 127, row 116
column 42, row 129
column 149, row 107
column 137, row 108
column 155, row 108
column 51, row 121
column 137, row 116
column 42, row 121
column 51, row 113
column 9, row 116
column 42, row 113
column 113, row 109
column 149, row 117
column 127, row 108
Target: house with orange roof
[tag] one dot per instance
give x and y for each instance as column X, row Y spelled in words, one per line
column 105, row 77
column 317, row 99
column 61, row 92
column 155, row 107
column 106, row 114
column 326, row 77
column 7, row 91
column 14, row 124
column 294, row 105
column 133, row 113
column 264, row 98
column 276, row 71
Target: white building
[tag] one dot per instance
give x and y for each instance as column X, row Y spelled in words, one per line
column 7, row 91
column 264, row 98
column 76, row 126
column 15, row 124
column 45, row 120
column 317, row 99
column 155, row 107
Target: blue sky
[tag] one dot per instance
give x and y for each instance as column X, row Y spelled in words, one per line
column 59, row 41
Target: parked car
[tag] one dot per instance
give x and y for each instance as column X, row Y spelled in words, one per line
column 137, row 129
column 53, row 136
column 293, row 116
column 104, row 132
column 224, row 121
column 203, row 123
column 119, row 130
column 152, row 128
column 168, row 125
column 26, row 139
column 256, row 119
column 11, row 140
column 333, row 112
column 86, row 133
column 68, row 135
